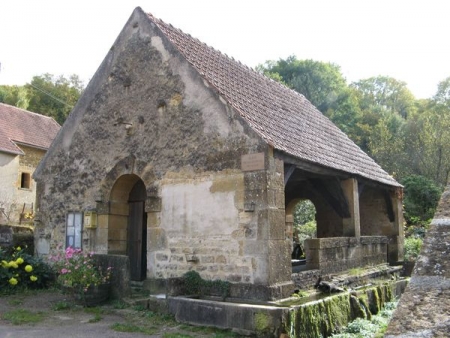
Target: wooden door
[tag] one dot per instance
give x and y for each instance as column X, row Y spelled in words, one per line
column 137, row 233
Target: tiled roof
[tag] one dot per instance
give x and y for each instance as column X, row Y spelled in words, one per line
column 281, row 116
column 19, row 126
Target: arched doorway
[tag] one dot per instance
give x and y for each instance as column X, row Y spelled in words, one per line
column 127, row 232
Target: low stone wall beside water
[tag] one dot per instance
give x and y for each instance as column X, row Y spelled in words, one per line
column 338, row 254
column 294, row 318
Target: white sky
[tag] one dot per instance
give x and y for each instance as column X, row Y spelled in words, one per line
column 404, row 39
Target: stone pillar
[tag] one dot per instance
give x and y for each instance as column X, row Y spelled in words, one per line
column 396, row 239
column 351, row 226
column 271, row 249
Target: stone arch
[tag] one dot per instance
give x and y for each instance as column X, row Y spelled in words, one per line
column 128, row 165
column 127, row 220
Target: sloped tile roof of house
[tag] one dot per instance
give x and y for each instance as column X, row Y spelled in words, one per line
column 19, row 126
column 281, row 116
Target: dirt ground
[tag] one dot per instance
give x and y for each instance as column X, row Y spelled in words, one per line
column 59, row 317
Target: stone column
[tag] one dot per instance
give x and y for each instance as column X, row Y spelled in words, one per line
column 351, row 226
column 270, row 249
column 396, row 239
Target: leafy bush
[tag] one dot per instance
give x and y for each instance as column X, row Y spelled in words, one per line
column 78, row 270
column 412, row 248
column 421, row 198
column 19, row 270
column 25, row 240
column 304, row 212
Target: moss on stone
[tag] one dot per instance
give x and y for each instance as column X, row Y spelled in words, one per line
column 364, row 301
column 325, row 317
column 358, row 310
column 262, row 322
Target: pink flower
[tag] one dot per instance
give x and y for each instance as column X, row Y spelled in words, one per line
column 63, row 271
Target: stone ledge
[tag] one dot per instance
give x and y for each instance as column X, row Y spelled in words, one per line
column 441, row 221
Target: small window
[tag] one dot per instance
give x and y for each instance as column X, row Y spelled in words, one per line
column 73, row 229
column 25, row 181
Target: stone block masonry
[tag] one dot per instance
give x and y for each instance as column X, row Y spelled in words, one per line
column 424, row 308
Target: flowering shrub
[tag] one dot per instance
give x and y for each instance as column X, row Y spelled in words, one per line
column 78, row 270
column 19, row 270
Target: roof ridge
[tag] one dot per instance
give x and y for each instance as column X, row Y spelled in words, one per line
column 231, row 58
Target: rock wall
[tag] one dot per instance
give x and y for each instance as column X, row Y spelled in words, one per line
column 424, row 309
column 147, row 115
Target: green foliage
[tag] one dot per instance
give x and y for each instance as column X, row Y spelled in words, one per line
column 25, row 240
column 304, row 212
column 421, row 198
column 22, row 316
column 322, row 83
column 78, row 270
column 61, row 306
column 54, row 96
column 412, row 248
column 14, row 96
column 46, row 94
column 305, row 226
column 196, row 285
column 386, row 94
column 364, row 328
column 20, row 270
column 128, row 327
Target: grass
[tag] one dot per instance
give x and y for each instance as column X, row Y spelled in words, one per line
column 22, row 316
column 15, row 302
column 119, row 305
column 128, row 327
column 61, row 306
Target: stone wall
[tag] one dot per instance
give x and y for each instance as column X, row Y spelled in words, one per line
column 342, row 253
column 424, row 309
column 12, row 196
column 147, row 115
column 374, row 217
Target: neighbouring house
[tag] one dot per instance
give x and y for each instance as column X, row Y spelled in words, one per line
column 178, row 157
column 24, row 139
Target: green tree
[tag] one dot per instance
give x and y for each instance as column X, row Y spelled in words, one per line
column 421, row 198
column 54, row 96
column 304, row 212
column 323, row 85
column 383, row 93
column 15, row 96
column 442, row 96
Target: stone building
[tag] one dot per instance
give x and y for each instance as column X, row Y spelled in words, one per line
column 181, row 158
column 24, row 139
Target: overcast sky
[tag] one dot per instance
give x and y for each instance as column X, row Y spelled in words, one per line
column 404, row 39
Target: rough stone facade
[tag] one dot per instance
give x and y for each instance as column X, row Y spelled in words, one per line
column 424, row 308
column 155, row 119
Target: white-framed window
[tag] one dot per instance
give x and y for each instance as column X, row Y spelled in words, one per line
column 74, row 227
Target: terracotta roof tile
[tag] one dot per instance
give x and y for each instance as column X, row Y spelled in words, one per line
column 281, row 116
column 19, row 126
